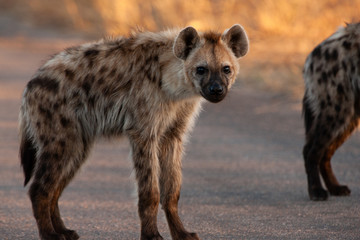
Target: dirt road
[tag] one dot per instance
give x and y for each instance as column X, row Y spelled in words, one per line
column 243, row 172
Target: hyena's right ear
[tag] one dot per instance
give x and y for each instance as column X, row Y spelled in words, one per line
column 186, row 41
column 237, row 40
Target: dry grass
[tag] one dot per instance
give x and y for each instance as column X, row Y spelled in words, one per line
column 282, row 32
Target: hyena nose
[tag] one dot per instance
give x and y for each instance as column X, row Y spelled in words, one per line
column 216, row 89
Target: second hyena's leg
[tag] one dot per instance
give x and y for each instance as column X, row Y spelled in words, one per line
column 325, row 166
column 313, row 152
column 146, row 166
column 170, row 184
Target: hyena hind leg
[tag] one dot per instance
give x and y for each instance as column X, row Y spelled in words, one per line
column 45, row 190
column 326, row 171
column 313, row 151
column 56, row 220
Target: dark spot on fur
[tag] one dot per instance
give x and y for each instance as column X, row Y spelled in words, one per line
column 340, row 89
column 335, row 55
column 317, row 52
column 86, row 86
column 92, row 101
column 69, row 74
column 91, row 53
column 337, row 108
column 324, row 77
column 46, row 83
column 344, row 66
column 331, row 56
column 319, row 68
column 329, row 119
column 112, row 73
column 103, row 69
column 45, row 112
column 64, row 101
column 312, row 67
column 75, row 95
column 64, row 122
column 327, row 55
column 341, row 121
column 322, row 104
column 329, row 103
column 335, row 70
column 62, row 143
column 352, row 67
column 56, row 156
column 346, row 45
column 100, row 81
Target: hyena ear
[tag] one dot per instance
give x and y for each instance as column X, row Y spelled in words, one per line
column 237, row 40
column 186, row 41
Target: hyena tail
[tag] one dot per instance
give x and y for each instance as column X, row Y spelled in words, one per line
column 307, row 114
column 27, row 154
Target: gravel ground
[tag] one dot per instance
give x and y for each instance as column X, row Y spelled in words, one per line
column 244, row 176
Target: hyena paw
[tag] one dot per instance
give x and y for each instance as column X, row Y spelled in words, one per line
column 71, row 235
column 318, row 194
column 53, row 236
column 340, row 190
column 152, row 237
column 192, row 236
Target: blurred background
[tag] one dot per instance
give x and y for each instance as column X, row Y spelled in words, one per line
column 281, row 32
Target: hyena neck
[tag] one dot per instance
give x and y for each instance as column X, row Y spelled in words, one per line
column 174, row 84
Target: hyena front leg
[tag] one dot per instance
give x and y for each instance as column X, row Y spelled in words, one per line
column 146, row 166
column 170, row 184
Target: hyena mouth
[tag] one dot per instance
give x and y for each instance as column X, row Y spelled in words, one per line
column 214, row 92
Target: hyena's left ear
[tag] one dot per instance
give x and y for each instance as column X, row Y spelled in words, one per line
column 186, row 41
column 237, row 40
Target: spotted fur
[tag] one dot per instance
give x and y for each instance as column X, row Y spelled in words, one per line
column 330, row 106
column 146, row 87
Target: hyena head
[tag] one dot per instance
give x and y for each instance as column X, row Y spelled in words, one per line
column 210, row 59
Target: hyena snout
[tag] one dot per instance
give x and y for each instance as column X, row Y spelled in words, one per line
column 214, row 91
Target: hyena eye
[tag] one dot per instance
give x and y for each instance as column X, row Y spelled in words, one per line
column 226, row 69
column 200, row 70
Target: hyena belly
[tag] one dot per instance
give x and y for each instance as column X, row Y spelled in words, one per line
column 147, row 87
column 330, row 106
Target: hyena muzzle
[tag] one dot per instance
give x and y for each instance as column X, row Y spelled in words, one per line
column 331, row 106
column 147, row 87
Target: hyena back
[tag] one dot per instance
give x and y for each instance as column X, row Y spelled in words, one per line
column 147, row 87
column 331, row 106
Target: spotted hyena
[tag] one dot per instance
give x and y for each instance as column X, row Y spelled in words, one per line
column 331, row 106
column 147, row 87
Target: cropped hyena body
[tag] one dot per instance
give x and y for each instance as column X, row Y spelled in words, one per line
column 147, row 87
column 331, row 106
